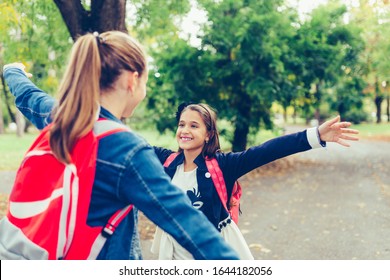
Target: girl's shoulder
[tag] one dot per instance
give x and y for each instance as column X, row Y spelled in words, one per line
column 162, row 153
column 222, row 157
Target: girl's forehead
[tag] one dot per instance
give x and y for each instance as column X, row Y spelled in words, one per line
column 191, row 115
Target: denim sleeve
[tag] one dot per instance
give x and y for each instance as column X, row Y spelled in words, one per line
column 169, row 208
column 35, row 104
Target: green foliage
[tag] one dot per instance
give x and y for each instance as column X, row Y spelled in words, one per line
column 329, row 49
column 236, row 70
column 355, row 116
column 372, row 17
column 153, row 19
column 252, row 54
column 36, row 35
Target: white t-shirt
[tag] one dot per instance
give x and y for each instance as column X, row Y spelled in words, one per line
column 166, row 246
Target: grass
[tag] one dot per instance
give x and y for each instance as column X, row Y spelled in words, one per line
column 374, row 131
column 12, row 148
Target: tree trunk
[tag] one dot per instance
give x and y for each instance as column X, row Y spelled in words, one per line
column 285, row 114
column 241, row 130
column 2, row 130
column 20, row 123
column 294, row 114
column 388, row 106
column 378, row 102
column 105, row 15
column 240, row 136
column 318, row 96
column 378, row 105
column 7, row 98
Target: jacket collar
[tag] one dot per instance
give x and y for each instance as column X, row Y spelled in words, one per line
column 200, row 162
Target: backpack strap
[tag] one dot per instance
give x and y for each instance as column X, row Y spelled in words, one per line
column 108, row 230
column 105, row 127
column 169, row 159
column 101, row 129
column 218, row 180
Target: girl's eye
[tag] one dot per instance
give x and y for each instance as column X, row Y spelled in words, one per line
column 194, row 126
column 181, row 125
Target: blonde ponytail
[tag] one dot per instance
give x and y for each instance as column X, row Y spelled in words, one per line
column 79, row 98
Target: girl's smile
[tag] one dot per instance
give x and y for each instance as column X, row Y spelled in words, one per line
column 191, row 132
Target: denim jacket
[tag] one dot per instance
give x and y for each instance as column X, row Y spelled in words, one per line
column 128, row 172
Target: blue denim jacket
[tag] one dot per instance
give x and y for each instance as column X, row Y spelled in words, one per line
column 128, row 172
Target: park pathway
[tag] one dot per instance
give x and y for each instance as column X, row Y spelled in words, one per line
column 331, row 203
column 325, row 204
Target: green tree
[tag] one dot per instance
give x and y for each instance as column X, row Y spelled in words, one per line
column 32, row 32
column 328, row 46
column 40, row 33
column 383, row 65
column 373, row 17
column 236, row 69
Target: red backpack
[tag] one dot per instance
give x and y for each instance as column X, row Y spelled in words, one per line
column 49, row 202
column 233, row 207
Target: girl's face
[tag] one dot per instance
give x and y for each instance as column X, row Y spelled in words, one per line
column 191, row 133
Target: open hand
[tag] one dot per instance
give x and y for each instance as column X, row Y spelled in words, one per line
column 336, row 131
column 20, row 66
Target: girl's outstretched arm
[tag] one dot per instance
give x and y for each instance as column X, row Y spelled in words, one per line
column 35, row 104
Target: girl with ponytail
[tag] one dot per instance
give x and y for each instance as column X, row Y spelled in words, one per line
column 106, row 78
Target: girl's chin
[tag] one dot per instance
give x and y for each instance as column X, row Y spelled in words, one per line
column 183, row 145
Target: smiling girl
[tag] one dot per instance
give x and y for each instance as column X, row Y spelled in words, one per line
column 198, row 140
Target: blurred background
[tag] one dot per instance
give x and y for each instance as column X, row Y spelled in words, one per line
column 260, row 64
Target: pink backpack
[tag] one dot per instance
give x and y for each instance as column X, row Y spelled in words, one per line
column 49, row 202
column 233, row 207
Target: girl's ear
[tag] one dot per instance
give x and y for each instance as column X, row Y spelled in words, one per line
column 132, row 81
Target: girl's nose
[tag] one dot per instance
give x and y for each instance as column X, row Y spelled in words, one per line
column 184, row 129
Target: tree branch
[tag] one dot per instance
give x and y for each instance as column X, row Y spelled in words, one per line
column 74, row 16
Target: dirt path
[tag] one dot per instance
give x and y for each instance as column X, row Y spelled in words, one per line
column 330, row 203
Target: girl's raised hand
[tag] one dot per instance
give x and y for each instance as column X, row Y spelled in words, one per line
column 336, row 131
column 20, row 66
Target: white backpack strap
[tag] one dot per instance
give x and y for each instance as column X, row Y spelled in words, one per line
column 104, row 126
column 69, row 203
column 108, row 230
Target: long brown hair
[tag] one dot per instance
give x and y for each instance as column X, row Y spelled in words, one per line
column 209, row 117
column 96, row 61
